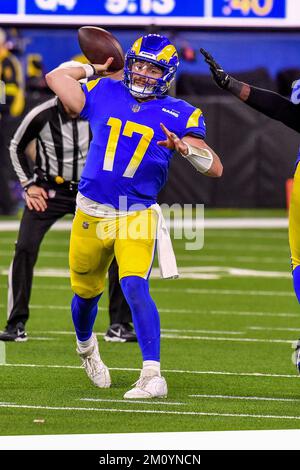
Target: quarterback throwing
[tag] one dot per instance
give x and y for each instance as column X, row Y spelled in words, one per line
column 136, row 128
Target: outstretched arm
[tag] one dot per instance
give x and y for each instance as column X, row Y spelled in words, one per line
column 267, row 102
column 195, row 150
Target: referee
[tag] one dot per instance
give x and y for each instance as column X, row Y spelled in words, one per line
column 61, row 145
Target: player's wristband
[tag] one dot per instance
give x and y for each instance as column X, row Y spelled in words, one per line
column 89, row 70
column 201, row 159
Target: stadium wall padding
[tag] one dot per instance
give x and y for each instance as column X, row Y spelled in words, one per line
column 258, row 155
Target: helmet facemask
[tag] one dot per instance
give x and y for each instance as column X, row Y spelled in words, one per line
column 152, row 86
column 158, row 51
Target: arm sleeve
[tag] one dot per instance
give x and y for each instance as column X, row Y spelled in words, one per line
column 26, row 132
column 275, row 106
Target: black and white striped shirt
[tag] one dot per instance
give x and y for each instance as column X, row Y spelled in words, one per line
column 61, row 143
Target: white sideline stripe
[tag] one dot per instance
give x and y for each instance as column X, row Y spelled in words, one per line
column 42, row 254
column 133, row 401
column 185, row 311
column 225, row 292
column 254, row 314
column 245, row 247
column 242, row 223
column 263, row 328
column 115, row 410
column 239, row 259
column 175, row 371
column 248, row 234
column 219, row 332
column 53, row 332
column 233, row 397
column 37, row 338
column 185, row 272
column 205, row 338
column 241, row 340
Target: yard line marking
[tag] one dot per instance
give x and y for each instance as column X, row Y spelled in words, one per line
column 60, row 332
column 246, row 234
column 259, row 314
column 254, row 314
column 239, row 259
column 175, row 371
column 245, row 246
column 219, row 332
column 116, row 410
column 225, row 292
column 185, row 272
column 184, row 311
column 132, row 401
column 263, row 328
column 211, row 338
column 205, row 338
column 43, row 254
column 234, row 397
column 37, row 338
column 212, row 223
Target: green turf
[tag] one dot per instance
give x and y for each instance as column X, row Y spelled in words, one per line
column 203, row 323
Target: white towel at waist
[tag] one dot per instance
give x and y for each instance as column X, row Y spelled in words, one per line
column 166, row 256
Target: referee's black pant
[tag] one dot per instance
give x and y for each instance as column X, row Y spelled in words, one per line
column 34, row 225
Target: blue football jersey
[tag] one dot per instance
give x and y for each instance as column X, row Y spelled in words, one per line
column 124, row 158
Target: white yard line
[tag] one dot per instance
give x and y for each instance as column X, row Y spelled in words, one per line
column 185, row 272
column 240, row 259
column 132, row 401
column 218, row 223
column 169, row 330
column 183, row 311
column 240, row 340
column 222, row 292
column 233, row 397
column 254, row 314
column 116, row 410
column 171, row 371
column 264, row 328
column 193, row 337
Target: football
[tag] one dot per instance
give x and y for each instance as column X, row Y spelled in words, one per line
column 98, row 45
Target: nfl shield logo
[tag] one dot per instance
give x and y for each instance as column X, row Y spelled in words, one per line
column 135, row 108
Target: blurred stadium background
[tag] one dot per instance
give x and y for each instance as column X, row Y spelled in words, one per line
column 258, row 153
column 235, row 300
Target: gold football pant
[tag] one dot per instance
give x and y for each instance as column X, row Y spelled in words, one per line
column 95, row 241
column 294, row 220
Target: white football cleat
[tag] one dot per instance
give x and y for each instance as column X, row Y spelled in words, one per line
column 148, row 386
column 94, row 366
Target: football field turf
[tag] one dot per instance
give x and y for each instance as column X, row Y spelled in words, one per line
column 227, row 328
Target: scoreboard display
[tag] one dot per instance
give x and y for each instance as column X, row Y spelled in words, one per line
column 231, row 13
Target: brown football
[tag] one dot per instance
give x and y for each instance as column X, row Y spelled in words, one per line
column 98, row 45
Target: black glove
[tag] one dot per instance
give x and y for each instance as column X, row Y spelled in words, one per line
column 221, row 78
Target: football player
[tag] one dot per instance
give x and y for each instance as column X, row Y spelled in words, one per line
column 288, row 112
column 136, row 128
